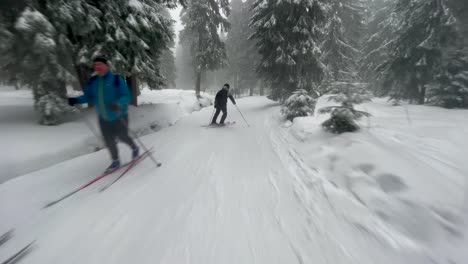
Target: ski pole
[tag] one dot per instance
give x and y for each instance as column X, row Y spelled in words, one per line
column 242, row 115
column 133, row 134
column 212, row 115
column 91, row 128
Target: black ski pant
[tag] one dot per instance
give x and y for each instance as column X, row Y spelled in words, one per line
column 113, row 130
column 218, row 110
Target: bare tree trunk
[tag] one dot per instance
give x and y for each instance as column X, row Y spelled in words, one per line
column 84, row 73
column 422, row 95
column 198, row 66
column 460, row 9
column 203, row 81
column 236, row 87
column 262, row 88
column 197, row 84
column 132, row 83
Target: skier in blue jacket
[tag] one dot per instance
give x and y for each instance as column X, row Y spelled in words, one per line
column 110, row 95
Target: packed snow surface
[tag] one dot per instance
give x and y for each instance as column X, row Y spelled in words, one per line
column 273, row 192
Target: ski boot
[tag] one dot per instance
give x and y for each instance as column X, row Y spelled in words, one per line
column 115, row 165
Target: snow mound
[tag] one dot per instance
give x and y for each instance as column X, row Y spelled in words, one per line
column 407, row 165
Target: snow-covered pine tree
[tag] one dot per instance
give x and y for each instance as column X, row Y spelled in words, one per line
column 212, row 80
column 172, row 3
column 241, row 51
column 341, row 40
column 460, row 10
column 184, row 65
column 9, row 11
column 380, row 30
column 167, row 59
column 5, row 38
column 425, row 30
column 298, row 104
column 133, row 37
column 44, row 63
column 202, row 19
column 342, row 117
column 450, row 87
column 168, row 68
column 287, row 37
column 49, row 39
column 371, row 6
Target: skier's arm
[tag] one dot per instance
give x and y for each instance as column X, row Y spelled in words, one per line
column 124, row 93
column 232, row 99
column 86, row 97
column 216, row 100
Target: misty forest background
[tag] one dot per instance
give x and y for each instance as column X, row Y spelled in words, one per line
column 412, row 51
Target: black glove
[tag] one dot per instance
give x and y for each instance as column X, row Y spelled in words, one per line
column 114, row 107
column 72, row 101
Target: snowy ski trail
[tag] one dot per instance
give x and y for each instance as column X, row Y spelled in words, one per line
column 233, row 195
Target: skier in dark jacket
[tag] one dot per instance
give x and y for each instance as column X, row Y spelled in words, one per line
column 111, row 96
column 221, row 104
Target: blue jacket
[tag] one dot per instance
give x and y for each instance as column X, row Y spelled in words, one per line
column 115, row 90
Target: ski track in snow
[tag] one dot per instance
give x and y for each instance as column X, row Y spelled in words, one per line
column 227, row 195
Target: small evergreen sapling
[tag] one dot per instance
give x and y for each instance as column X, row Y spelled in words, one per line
column 298, row 104
column 343, row 116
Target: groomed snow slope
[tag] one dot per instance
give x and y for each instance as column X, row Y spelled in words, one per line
column 235, row 194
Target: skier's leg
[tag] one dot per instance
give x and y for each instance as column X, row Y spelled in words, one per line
column 122, row 132
column 109, row 137
column 218, row 110
column 224, row 109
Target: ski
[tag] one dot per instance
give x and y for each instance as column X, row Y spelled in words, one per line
column 87, row 184
column 129, row 167
column 20, row 254
column 229, row 123
column 5, row 237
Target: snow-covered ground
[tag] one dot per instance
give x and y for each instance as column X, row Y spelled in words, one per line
column 268, row 193
column 407, row 165
column 28, row 146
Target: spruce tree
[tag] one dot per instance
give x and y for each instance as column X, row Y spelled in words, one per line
column 46, row 43
column 40, row 53
column 167, row 59
column 287, row 37
column 297, row 105
column 416, row 55
column 450, row 86
column 341, row 41
column 133, row 37
column 344, row 115
column 460, row 11
column 202, row 19
column 380, row 30
column 168, row 68
column 241, row 51
column 184, row 65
